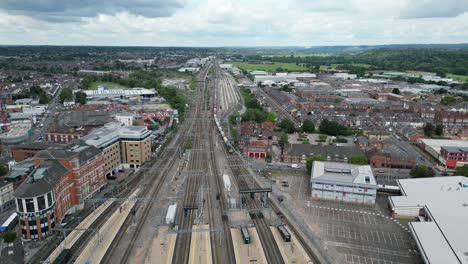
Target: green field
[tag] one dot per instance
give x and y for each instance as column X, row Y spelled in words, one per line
column 270, row 67
column 461, row 78
column 334, row 66
column 109, row 85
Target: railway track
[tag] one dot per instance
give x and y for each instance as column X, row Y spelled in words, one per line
column 227, row 256
column 168, row 159
column 197, row 170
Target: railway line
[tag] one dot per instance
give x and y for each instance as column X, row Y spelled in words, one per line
column 197, row 170
column 221, row 252
column 169, row 156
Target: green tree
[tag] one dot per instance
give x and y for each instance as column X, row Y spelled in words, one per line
column 282, row 143
column 311, row 160
column 334, row 128
column 268, row 158
column 396, row 91
column 439, row 129
column 308, row 126
column 287, row 126
column 448, row 100
column 9, row 236
column 3, row 169
column 428, row 129
column 421, row 171
column 80, row 97
column 359, row 160
column 66, row 94
column 461, row 171
column 271, row 117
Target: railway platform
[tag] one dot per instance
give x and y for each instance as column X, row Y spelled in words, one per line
column 248, row 253
column 71, row 239
column 200, row 245
column 97, row 246
column 162, row 247
column 292, row 251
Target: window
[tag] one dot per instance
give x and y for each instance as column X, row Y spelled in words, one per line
column 49, row 197
column 20, row 205
column 41, row 203
column 29, row 205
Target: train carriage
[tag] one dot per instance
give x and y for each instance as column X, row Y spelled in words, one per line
column 245, row 235
column 284, row 233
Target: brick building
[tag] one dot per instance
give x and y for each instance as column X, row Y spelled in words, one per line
column 256, row 149
column 59, row 183
column 390, row 156
column 28, row 150
column 454, row 156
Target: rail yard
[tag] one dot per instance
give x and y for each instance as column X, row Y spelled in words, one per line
column 207, row 217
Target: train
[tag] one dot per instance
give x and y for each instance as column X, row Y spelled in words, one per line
column 9, row 223
column 245, row 235
column 171, row 214
column 284, row 233
column 64, row 256
column 221, row 132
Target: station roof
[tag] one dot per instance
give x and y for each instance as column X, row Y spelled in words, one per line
column 445, row 200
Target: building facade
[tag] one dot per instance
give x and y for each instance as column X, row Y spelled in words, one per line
column 122, row 145
column 60, row 182
column 7, row 199
column 454, row 156
column 343, row 182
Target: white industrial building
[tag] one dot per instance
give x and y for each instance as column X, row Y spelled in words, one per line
column 343, row 182
column 440, row 205
column 102, row 93
column 284, row 77
column 124, row 118
column 433, row 146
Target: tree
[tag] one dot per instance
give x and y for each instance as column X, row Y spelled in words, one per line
column 311, row 160
column 9, row 237
column 396, row 91
column 334, row 128
column 448, row 100
column 421, row 171
column 268, row 158
column 359, row 160
column 271, row 117
column 287, row 126
column 461, row 171
column 428, row 129
column 308, row 126
column 80, row 97
column 3, row 169
column 66, row 94
column 282, row 142
column 439, row 129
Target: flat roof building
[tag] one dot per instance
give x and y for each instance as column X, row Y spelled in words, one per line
column 112, row 93
column 121, row 145
column 441, row 206
column 343, row 182
column 438, row 148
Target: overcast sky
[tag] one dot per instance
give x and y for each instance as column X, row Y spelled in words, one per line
column 232, row 22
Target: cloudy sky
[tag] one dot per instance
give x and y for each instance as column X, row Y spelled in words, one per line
column 232, row 22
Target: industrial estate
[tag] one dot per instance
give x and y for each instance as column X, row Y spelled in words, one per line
column 232, row 155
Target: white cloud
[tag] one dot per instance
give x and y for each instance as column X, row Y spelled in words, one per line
column 246, row 23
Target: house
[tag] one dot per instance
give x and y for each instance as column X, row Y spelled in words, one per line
column 390, row 156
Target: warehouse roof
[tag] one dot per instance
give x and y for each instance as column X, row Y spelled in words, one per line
column 436, row 144
column 445, row 200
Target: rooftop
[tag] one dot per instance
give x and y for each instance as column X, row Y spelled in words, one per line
column 342, row 173
column 436, row 144
column 42, row 179
column 445, row 199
